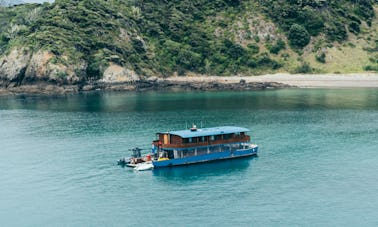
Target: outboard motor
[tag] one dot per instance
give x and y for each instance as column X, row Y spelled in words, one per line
column 123, row 161
column 136, row 152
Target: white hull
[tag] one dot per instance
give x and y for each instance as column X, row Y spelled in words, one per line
column 144, row 166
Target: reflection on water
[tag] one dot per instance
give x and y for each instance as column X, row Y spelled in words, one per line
column 202, row 171
column 161, row 101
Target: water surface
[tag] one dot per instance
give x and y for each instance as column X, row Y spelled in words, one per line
column 317, row 164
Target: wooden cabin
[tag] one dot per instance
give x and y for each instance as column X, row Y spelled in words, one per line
column 201, row 137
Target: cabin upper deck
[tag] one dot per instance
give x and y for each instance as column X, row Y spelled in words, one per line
column 201, row 137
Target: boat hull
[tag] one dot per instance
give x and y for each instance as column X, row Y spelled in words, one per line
column 206, row 157
column 144, row 166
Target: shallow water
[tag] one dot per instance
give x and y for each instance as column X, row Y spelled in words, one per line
column 317, row 163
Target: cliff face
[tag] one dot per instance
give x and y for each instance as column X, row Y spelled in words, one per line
column 22, row 67
column 87, row 42
column 13, row 66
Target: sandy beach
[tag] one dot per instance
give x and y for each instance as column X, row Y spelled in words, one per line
column 298, row 80
column 210, row 83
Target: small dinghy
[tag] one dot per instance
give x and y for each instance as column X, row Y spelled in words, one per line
column 132, row 161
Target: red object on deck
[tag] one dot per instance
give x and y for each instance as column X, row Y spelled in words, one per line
column 148, row 157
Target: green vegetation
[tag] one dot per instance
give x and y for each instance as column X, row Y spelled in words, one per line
column 321, row 58
column 298, row 36
column 320, row 16
column 277, row 47
column 179, row 36
column 373, row 64
column 304, row 68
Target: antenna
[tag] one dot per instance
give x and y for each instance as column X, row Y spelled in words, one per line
column 201, row 124
column 186, row 125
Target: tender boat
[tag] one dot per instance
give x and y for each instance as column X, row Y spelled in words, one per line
column 195, row 145
column 132, row 161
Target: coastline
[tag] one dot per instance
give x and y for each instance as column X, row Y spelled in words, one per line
column 357, row 80
column 207, row 83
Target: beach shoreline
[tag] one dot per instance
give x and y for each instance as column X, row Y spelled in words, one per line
column 207, row 83
column 366, row 80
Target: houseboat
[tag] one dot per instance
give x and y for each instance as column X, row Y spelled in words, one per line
column 196, row 145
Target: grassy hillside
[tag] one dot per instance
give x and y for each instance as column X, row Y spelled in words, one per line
column 219, row 37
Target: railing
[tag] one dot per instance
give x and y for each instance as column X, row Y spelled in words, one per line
column 235, row 139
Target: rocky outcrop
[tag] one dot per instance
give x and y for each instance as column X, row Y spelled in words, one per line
column 207, row 85
column 118, row 74
column 21, row 67
column 13, row 67
column 43, row 66
column 41, row 72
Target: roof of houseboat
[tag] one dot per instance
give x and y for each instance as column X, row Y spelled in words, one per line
column 207, row 131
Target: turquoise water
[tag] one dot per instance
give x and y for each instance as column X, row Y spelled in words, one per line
column 317, row 166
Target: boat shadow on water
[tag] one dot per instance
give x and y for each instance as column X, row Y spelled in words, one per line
column 203, row 170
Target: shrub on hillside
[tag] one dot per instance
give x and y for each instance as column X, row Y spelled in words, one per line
column 312, row 20
column 298, row 36
column 277, row 47
column 371, row 68
column 304, row 68
column 253, row 48
column 321, row 58
column 354, row 27
column 336, row 32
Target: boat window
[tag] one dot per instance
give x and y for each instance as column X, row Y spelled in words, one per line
column 177, row 154
column 201, row 150
column 214, row 149
column 170, row 154
column 163, row 154
column 235, row 146
column 218, row 137
column 212, row 138
column 188, row 152
column 185, row 140
column 190, row 140
column 227, row 136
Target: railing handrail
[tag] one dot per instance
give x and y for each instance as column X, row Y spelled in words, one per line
column 235, row 139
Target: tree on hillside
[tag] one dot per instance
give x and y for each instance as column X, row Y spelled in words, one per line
column 298, row 36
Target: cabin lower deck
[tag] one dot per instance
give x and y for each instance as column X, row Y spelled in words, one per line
column 201, row 154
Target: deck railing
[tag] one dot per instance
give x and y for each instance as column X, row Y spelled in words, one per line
column 235, row 139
